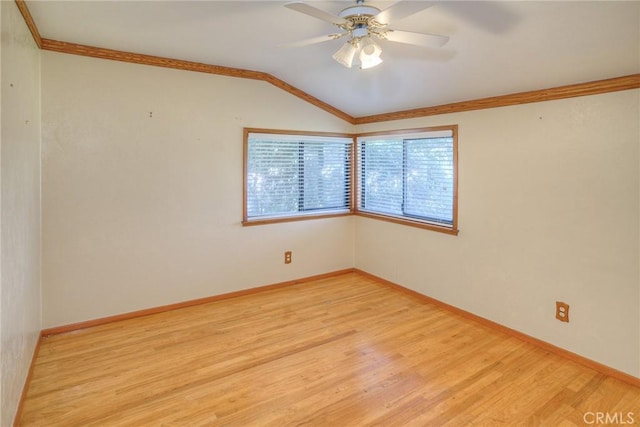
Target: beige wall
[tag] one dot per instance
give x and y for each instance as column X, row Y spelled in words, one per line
column 143, row 211
column 548, row 211
column 20, row 318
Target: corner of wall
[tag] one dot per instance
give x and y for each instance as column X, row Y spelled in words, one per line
column 20, row 207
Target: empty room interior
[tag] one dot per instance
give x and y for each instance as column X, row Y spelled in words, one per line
column 320, row 213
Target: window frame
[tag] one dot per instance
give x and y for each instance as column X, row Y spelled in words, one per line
column 354, row 176
column 301, row 215
column 407, row 220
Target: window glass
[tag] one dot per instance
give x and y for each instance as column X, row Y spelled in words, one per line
column 296, row 175
column 410, row 176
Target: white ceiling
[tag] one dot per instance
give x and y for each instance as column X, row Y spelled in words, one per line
column 496, row 48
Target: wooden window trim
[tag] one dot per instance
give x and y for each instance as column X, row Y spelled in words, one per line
column 353, row 210
column 408, row 222
column 300, row 216
column 453, row 229
column 249, row 223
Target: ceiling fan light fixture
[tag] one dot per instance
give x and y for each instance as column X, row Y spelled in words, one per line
column 370, row 54
column 361, row 24
column 370, row 62
column 346, row 53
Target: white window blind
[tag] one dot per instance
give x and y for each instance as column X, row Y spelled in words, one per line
column 408, row 176
column 292, row 175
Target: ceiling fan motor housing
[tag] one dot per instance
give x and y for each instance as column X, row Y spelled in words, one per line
column 359, row 11
column 360, row 18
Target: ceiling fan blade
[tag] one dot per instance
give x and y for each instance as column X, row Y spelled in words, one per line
column 313, row 40
column 315, row 12
column 402, row 9
column 418, row 39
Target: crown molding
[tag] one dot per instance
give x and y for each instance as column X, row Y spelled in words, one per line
column 28, row 19
column 569, row 91
column 159, row 61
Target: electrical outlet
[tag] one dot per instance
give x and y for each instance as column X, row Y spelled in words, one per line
column 562, row 311
column 287, row 257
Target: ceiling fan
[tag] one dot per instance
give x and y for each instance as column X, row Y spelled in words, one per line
column 362, row 25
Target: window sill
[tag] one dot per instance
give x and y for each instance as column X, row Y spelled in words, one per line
column 409, row 222
column 396, row 220
column 251, row 222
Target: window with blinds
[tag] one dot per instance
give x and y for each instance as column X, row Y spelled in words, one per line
column 409, row 176
column 288, row 176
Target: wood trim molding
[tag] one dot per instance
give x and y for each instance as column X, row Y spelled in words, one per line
column 250, row 223
column 158, row 61
column 27, row 381
column 294, row 217
column 28, row 19
column 408, row 222
column 310, row 99
column 154, row 310
column 603, row 369
column 570, row 91
column 581, row 89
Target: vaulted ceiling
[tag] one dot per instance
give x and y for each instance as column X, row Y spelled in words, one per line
column 495, row 48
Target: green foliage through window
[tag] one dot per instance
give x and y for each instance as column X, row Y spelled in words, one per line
column 408, row 176
column 289, row 175
column 403, row 176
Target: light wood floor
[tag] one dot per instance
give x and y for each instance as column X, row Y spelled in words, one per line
column 343, row 351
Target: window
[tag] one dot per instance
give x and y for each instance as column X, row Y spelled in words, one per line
column 296, row 175
column 409, row 177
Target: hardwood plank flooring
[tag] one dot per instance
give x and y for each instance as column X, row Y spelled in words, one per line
column 341, row 351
